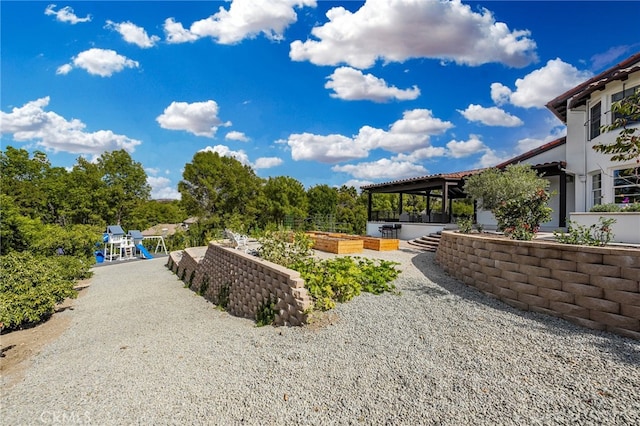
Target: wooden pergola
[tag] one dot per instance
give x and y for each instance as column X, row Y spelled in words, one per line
column 445, row 187
column 450, row 186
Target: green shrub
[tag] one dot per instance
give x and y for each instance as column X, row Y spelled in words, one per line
column 285, row 248
column 342, row 278
column 266, row 313
column 595, row 235
column 465, row 224
column 602, row 208
column 33, row 285
column 631, row 207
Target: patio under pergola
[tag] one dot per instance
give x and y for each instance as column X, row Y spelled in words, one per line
column 445, row 187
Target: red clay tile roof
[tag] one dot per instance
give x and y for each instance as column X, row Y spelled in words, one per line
column 439, row 176
column 536, row 151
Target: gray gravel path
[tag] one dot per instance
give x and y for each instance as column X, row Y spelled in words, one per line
column 142, row 349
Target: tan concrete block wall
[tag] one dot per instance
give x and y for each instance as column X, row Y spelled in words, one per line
column 595, row 287
column 249, row 280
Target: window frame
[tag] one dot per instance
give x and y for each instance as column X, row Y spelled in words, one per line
column 632, row 182
column 595, row 123
column 618, row 96
column 596, row 192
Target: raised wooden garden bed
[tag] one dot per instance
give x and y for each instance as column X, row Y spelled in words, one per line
column 337, row 245
column 374, row 243
column 381, row 244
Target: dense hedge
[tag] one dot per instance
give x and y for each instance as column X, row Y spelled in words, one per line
column 33, row 285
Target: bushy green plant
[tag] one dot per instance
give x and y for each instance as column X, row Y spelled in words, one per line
column 517, row 197
column 599, row 234
column 33, row 285
column 342, row 278
column 285, row 248
column 631, row 207
column 602, row 208
column 465, row 224
column 266, row 313
column 520, row 217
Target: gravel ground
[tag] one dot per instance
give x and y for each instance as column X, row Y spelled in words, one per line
column 142, row 349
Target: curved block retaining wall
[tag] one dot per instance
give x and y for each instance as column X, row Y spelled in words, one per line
column 250, row 282
column 596, row 287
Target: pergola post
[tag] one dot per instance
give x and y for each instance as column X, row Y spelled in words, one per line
column 369, row 206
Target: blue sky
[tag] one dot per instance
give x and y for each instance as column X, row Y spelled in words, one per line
column 327, row 92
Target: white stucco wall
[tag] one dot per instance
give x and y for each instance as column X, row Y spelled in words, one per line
column 581, row 157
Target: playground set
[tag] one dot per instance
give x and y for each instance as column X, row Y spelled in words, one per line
column 116, row 245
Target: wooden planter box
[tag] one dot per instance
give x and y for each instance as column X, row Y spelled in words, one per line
column 374, row 243
column 381, row 244
column 338, row 245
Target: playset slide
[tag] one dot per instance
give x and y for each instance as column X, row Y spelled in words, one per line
column 144, row 251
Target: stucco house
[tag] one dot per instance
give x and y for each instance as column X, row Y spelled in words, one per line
column 580, row 176
column 584, row 109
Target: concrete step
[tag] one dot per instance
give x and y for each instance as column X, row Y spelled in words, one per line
column 426, row 242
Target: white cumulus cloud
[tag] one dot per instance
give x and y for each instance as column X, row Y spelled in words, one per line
column 383, row 168
column 32, row 122
column 236, row 136
column 397, row 30
column 161, row 188
column 198, row 118
column 492, row 116
column 540, row 86
column 460, row 149
column 410, row 133
column 267, row 162
column 102, row 62
column 176, row 33
column 131, row 33
column 243, row 19
column 324, row 149
column 352, row 85
column 65, row 14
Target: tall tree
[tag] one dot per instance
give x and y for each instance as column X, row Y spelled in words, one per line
column 221, row 189
column 126, row 184
column 284, row 196
column 351, row 210
column 323, row 200
column 87, row 199
column 23, row 177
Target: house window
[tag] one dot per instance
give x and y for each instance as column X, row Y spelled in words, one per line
column 595, row 120
column 626, row 185
column 623, row 95
column 596, row 189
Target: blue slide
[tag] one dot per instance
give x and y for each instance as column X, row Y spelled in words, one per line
column 144, row 251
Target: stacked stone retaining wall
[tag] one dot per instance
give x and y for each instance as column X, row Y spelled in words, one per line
column 244, row 282
column 596, row 287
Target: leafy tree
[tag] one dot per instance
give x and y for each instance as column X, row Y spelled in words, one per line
column 627, row 144
column 17, row 231
column 126, row 185
column 413, row 203
column 323, row 200
column 284, row 196
column 152, row 212
column 221, row 189
column 383, row 203
column 351, row 211
column 517, row 197
column 22, row 178
column 87, row 198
